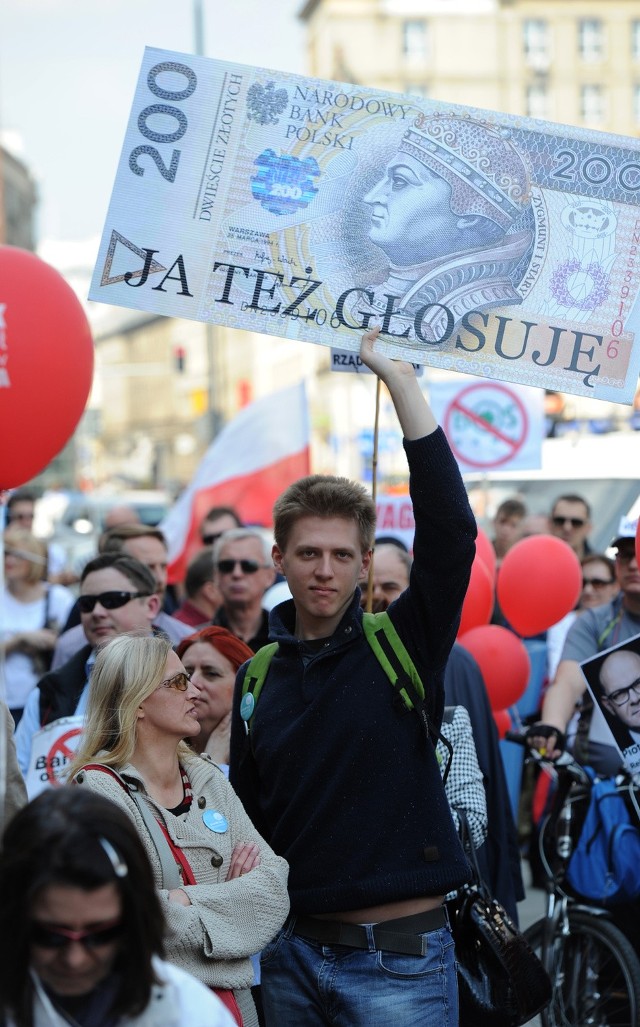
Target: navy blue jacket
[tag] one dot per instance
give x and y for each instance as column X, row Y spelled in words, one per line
column 338, row 776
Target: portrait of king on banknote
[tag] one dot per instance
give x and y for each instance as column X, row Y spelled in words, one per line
column 453, row 214
column 482, row 242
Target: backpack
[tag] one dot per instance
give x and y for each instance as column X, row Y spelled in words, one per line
column 392, row 656
column 604, row 863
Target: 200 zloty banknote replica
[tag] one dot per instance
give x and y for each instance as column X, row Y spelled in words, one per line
column 484, row 243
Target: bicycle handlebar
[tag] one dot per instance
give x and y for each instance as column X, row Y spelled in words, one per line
column 565, row 760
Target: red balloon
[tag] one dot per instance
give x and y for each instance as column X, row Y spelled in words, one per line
column 539, row 582
column 486, row 552
column 478, row 602
column 503, row 661
column 503, row 721
column 46, row 364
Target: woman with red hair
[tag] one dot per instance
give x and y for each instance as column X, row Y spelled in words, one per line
column 212, row 657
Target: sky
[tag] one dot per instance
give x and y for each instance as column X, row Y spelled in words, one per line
column 68, row 70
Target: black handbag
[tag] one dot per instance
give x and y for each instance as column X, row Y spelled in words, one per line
column 501, row 981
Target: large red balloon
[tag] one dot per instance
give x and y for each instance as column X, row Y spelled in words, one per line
column 539, row 582
column 486, row 552
column 503, row 661
column 478, row 602
column 46, row 364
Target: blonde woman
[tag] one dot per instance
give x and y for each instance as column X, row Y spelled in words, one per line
column 223, row 890
column 31, row 615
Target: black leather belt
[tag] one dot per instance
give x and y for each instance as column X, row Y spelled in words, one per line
column 401, row 935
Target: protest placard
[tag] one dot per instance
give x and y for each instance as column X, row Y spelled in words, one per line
column 613, row 680
column 484, row 243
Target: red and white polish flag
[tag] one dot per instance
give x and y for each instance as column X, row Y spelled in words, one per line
column 253, row 459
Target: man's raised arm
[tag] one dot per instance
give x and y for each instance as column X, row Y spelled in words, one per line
column 414, row 413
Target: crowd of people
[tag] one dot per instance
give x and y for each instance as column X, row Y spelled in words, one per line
column 278, row 853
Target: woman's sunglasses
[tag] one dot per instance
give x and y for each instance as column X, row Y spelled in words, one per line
column 59, row 937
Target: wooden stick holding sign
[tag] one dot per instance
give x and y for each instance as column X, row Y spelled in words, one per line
column 374, row 490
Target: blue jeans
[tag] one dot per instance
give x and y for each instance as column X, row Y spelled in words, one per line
column 308, row 984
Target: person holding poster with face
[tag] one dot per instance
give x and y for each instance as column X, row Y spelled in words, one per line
column 614, row 682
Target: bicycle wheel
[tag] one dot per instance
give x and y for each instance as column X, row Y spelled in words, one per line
column 595, row 974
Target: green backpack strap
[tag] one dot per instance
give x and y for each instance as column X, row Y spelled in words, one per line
column 397, row 664
column 391, row 654
column 254, row 680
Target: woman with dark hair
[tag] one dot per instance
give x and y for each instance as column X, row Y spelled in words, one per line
column 212, row 657
column 222, row 889
column 81, row 927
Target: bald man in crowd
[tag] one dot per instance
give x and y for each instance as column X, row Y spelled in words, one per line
column 620, row 682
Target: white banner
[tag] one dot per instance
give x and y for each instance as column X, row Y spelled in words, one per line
column 482, row 243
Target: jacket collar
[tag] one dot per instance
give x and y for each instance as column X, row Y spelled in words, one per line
column 283, row 618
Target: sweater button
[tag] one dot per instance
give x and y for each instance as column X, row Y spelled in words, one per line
column 202, row 802
column 216, row 860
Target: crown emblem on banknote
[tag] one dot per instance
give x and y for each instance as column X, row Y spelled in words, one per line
column 487, row 174
column 265, row 103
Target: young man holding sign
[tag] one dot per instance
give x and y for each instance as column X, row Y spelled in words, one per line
column 336, row 773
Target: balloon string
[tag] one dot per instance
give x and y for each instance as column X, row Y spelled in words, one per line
column 374, row 489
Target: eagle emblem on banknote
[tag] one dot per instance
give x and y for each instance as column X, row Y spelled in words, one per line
column 264, row 103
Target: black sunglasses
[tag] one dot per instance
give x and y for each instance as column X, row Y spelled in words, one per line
column 59, row 937
column 597, row 583
column 575, row 522
column 208, row 540
column 109, row 600
column 246, row 566
column 626, row 554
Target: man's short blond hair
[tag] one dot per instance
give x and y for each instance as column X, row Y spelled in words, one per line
column 323, row 495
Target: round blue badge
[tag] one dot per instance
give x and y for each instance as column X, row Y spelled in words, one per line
column 215, row 821
column 247, row 706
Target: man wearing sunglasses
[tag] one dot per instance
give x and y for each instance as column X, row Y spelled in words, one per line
column 117, row 594
column 148, row 545
column 570, row 520
column 595, row 630
column 243, row 571
column 216, row 521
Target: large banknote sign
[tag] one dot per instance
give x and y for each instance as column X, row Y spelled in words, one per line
column 494, row 245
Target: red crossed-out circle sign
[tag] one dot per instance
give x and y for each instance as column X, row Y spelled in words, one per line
column 486, row 424
column 60, row 750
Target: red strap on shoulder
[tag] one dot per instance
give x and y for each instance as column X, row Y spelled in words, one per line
column 179, row 856
column 105, row 770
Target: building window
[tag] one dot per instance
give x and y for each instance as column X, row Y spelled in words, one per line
column 592, row 105
column 537, row 105
column 415, row 40
column 635, row 39
column 591, row 39
column 535, row 41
